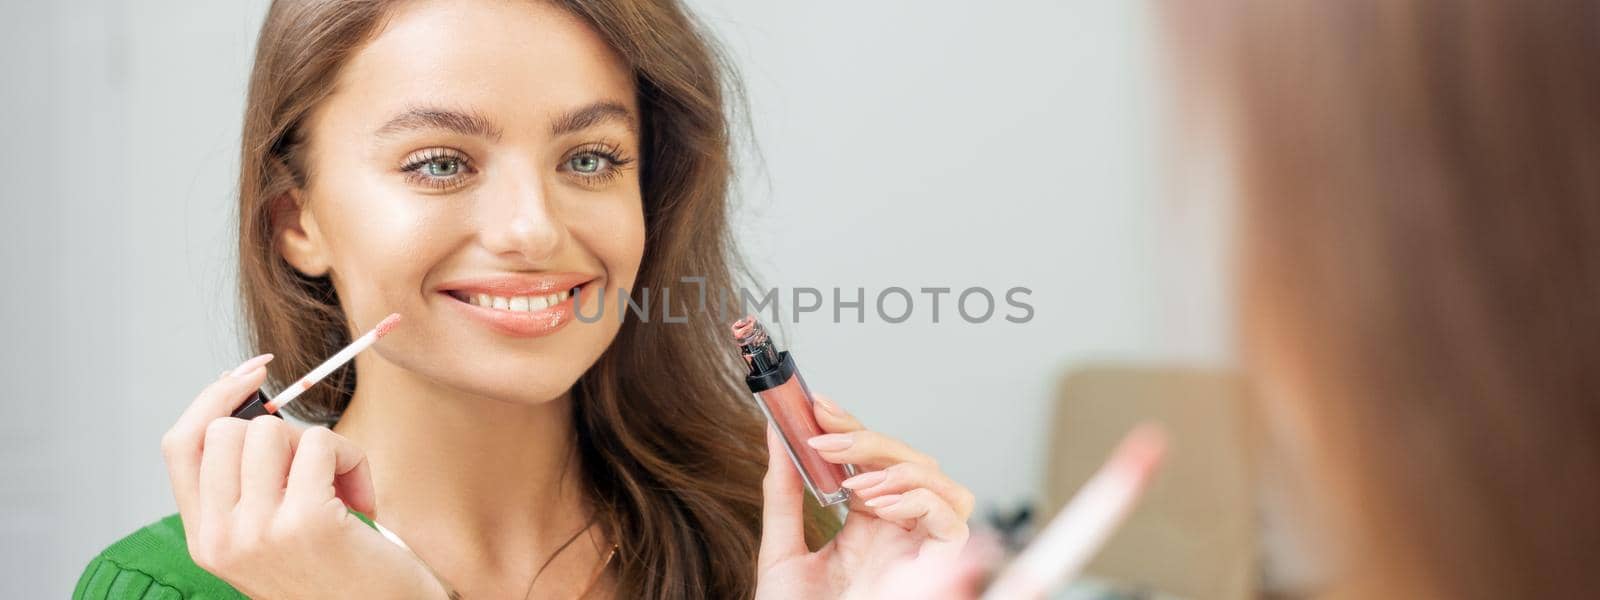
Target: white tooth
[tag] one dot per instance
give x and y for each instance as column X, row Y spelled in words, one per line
column 552, row 300
column 483, row 300
column 501, row 303
column 537, row 303
column 519, row 303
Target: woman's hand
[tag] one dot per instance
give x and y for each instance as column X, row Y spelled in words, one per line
column 264, row 503
column 904, row 508
column 1056, row 554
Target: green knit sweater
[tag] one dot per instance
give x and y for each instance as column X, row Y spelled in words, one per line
column 153, row 564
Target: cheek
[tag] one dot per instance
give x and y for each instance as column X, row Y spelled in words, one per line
column 614, row 232
column 381, row 242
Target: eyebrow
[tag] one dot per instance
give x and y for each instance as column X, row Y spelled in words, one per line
column 462, row 122
column 474, row 124
column 595, row 114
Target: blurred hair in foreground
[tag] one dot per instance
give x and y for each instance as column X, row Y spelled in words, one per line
column 1419, row 234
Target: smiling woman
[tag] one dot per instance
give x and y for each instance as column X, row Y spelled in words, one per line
column 482, row 167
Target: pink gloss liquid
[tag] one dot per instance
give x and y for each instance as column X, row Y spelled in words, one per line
column 789, row 408
column 783, row 397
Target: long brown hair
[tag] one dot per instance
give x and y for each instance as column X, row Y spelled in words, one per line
column 1421, row 245
column 671, row 446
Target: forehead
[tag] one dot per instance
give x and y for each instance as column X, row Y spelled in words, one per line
column 514, row 60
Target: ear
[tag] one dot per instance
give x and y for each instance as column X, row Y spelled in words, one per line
column 294, row 227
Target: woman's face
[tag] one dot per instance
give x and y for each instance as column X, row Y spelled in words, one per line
column 475, row 163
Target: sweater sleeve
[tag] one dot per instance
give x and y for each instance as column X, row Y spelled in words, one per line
column 151, row 563
column 104, row 579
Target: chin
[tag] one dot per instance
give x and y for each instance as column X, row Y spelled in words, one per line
column 513, row 389
column 525, row 381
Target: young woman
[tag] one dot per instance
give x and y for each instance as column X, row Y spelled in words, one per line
column 486, row 168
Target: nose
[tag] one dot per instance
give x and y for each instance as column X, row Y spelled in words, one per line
column 521, row 221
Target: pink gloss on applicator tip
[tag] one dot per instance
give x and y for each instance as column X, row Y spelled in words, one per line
column 387, row 324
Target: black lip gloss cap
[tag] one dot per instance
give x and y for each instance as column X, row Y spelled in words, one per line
column 254, row 407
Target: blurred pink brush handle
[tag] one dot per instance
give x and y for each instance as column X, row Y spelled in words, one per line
column 1073, row 537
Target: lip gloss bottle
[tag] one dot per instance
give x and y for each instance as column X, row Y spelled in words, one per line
column 783, row 397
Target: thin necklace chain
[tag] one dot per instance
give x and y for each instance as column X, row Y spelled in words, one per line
column 563, row 548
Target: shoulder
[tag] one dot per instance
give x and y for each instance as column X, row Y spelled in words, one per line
column 150, row 564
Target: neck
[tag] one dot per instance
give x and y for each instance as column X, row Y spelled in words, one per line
column 478, row 486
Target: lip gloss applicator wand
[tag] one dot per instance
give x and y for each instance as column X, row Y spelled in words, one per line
column 258, row 404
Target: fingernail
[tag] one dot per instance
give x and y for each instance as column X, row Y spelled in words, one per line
column 831, row 442
column 865, row 480
column 250, row 365
column 882, row 501
column 833, row 409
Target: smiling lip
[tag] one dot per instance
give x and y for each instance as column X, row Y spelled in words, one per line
column 518, row 323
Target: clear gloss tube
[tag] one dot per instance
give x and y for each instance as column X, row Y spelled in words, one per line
column 783, row 396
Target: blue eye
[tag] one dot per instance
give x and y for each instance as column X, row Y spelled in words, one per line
column 587, row 163
column 444, row 166
column 438, row 168
column 596, row 164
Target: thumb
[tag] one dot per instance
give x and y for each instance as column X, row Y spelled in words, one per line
column 783, row 515
column 353, row 481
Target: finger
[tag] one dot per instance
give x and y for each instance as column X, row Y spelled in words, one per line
column 866, row 448
column 213, row 401
column 181, row 446
column 782, row 516
column 831, row 418
column 264, row 466
column 924, row 508
column 219, row 468
column 904, row 477
column 327, row 465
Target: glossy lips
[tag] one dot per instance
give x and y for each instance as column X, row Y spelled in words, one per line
column 522, row 305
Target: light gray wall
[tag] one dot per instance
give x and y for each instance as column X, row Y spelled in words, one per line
column 971, row 144
column 910, row 144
